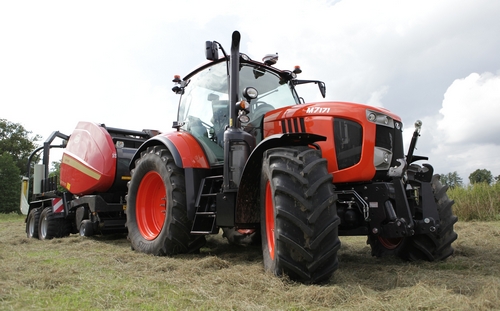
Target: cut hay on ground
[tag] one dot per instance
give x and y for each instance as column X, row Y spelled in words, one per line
column 103, row 273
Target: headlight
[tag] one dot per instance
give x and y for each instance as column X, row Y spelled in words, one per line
column 244, row 118
column 379, row 118
column 382, row 158
column 250, row 93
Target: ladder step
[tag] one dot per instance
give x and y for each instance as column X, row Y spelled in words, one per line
column 204, row 223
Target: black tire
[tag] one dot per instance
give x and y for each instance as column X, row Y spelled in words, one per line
column 51, row 227
column 299, row 221
column 241, row 237
column 157, row 218
column 32, row 223
column 430, row 246
column 86, row 228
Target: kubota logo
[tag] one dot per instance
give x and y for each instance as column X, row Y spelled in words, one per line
column 317, row 110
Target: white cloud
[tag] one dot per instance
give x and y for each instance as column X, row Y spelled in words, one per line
column 471, row 108
column 113, row 61
column 464, row 136
column 376, row 97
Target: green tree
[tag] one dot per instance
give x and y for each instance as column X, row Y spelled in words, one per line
column 16, row 141
column 452, row 179
column 55, row 172
column 10, row 184
column 481, row 175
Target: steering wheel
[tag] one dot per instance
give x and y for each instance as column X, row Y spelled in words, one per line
column 258, row 104
column 260, row 108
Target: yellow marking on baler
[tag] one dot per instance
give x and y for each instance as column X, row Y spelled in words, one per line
column 80, row 167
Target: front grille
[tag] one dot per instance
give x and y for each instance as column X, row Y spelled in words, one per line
column 348, row 142
column 391, row 139
column 384, row 137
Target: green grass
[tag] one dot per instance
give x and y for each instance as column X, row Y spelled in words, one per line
column 103, row 273
column 476, row 202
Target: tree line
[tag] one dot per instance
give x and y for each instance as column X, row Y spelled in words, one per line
column 478, row 176
column 16, row 145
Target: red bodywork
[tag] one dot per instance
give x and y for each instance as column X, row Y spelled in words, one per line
column 189, row 149
column 89, row 161
column 318, row 119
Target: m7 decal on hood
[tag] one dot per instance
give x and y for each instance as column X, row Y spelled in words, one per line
column 318, row 110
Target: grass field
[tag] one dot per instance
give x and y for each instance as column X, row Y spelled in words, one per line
column 102, row 273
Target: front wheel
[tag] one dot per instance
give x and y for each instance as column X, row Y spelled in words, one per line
column 157, row 218
column 242, row 237
column 430, row 246
column 299, row 221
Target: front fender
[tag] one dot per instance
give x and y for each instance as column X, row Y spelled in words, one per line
column 248, row 199
column 185, row 149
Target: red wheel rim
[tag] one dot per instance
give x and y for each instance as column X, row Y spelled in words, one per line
column 269, row 221
column 151, row 205
column 390, row 243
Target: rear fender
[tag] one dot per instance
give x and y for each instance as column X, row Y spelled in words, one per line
column 187, row 154
column 185, row 149
column 247, row 213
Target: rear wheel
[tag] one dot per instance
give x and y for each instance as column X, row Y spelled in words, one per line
column 299, row 220
column 51, row 227
column 429, row 246
column 157, row 218
column 32, row 223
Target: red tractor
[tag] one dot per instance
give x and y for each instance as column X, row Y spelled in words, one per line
column 250, row 157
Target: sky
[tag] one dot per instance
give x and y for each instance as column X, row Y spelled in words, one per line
column 112, row 62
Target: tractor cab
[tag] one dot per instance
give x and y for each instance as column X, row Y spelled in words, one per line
column 204, row 104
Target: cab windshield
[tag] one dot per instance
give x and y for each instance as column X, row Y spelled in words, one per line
column 204, row 105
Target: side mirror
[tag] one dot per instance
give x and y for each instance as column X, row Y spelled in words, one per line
column 321, row 85
column 211, row 50
column 322, row 88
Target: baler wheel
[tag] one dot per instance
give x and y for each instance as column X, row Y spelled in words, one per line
column 299, row 221
column 51, row 227
column 86, row 228
column 157, row 218
column 32, row 223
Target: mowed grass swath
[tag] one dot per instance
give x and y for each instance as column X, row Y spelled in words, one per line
column 102, row 273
